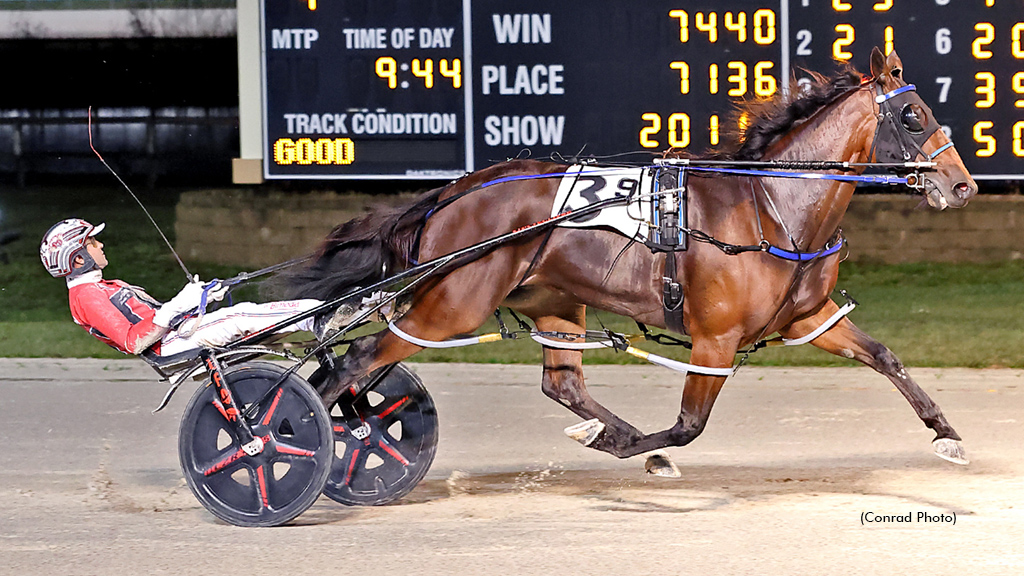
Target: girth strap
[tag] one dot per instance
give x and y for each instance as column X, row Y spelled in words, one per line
column 669, row 215
column 672, row 296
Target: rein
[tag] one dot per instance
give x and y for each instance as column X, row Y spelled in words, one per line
column 701, row 236
column 865, row 179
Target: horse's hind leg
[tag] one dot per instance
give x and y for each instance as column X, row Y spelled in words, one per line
column 363, row 357
column 846, row 340
column 563, row 382
column 453, row 306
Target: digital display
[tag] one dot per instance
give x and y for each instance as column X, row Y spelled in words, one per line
column 435, row 88
column 364, row 89
column 965, row 56
column 606, row 76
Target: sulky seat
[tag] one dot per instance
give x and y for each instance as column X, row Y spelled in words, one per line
column 167, row 366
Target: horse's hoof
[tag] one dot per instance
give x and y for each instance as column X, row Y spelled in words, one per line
column 952, row 450
column 585, row 432
column 659, row 464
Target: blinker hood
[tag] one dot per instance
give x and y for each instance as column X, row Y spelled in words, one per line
column 901, row 111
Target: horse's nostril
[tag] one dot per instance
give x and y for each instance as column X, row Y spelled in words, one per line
column 963, row 190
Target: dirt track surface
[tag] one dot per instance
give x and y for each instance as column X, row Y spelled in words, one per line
column 777, row 484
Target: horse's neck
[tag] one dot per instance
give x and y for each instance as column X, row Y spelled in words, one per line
column 812, row 209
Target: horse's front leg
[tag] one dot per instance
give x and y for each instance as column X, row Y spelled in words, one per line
column 563, row 382
column 603, row 430
column 699, row 396
column 846, row 340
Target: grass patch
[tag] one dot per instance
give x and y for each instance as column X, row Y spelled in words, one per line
column 51, row 339
column 937, row 315
column 928, row 314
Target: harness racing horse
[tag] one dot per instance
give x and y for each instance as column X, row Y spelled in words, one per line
column 731, row 299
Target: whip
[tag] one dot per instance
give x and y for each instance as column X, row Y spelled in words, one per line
column 188, row 274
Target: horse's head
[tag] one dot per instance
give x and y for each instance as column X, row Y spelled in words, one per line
column 907, row 132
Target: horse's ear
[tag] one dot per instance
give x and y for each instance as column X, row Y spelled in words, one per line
column 893, row 63
column 878, row 67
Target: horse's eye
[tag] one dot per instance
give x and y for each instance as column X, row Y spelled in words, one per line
column 911, row 116
column 895, row 72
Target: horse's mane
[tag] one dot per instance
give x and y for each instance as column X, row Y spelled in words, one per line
column 770, row 119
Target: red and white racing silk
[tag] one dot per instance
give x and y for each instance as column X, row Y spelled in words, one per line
column 119, row 314
column 113, row 311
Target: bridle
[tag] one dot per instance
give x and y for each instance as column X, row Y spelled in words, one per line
column 900, row 111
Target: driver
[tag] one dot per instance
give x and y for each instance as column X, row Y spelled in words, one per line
column 130, row 320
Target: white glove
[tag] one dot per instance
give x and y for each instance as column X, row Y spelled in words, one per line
column 186, row 300
column 216, row 291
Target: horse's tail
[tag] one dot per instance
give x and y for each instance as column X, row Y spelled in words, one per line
column 360, row 252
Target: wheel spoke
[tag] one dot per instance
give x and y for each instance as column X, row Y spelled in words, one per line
column 397, row 405
column 273, row 407
column 352, row 461
column 224, row 462
column 393, row 452
column 261, row 481
column 292, row 450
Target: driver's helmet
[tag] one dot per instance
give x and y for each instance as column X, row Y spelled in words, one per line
column 63, row 242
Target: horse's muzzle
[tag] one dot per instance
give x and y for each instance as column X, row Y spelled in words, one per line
column 956, row 196
column 964, row 191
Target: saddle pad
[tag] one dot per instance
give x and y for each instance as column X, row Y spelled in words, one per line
column 584, row 185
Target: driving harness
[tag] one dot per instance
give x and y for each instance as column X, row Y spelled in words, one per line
column 669, row 227
column 901, row 110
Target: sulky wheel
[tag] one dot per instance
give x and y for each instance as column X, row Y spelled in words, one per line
column 385, row 441
column 275, row 485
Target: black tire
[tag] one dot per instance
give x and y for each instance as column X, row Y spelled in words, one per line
column 400, row 462
column 276, row 485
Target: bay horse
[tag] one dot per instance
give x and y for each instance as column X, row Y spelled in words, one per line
column 731, row 300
